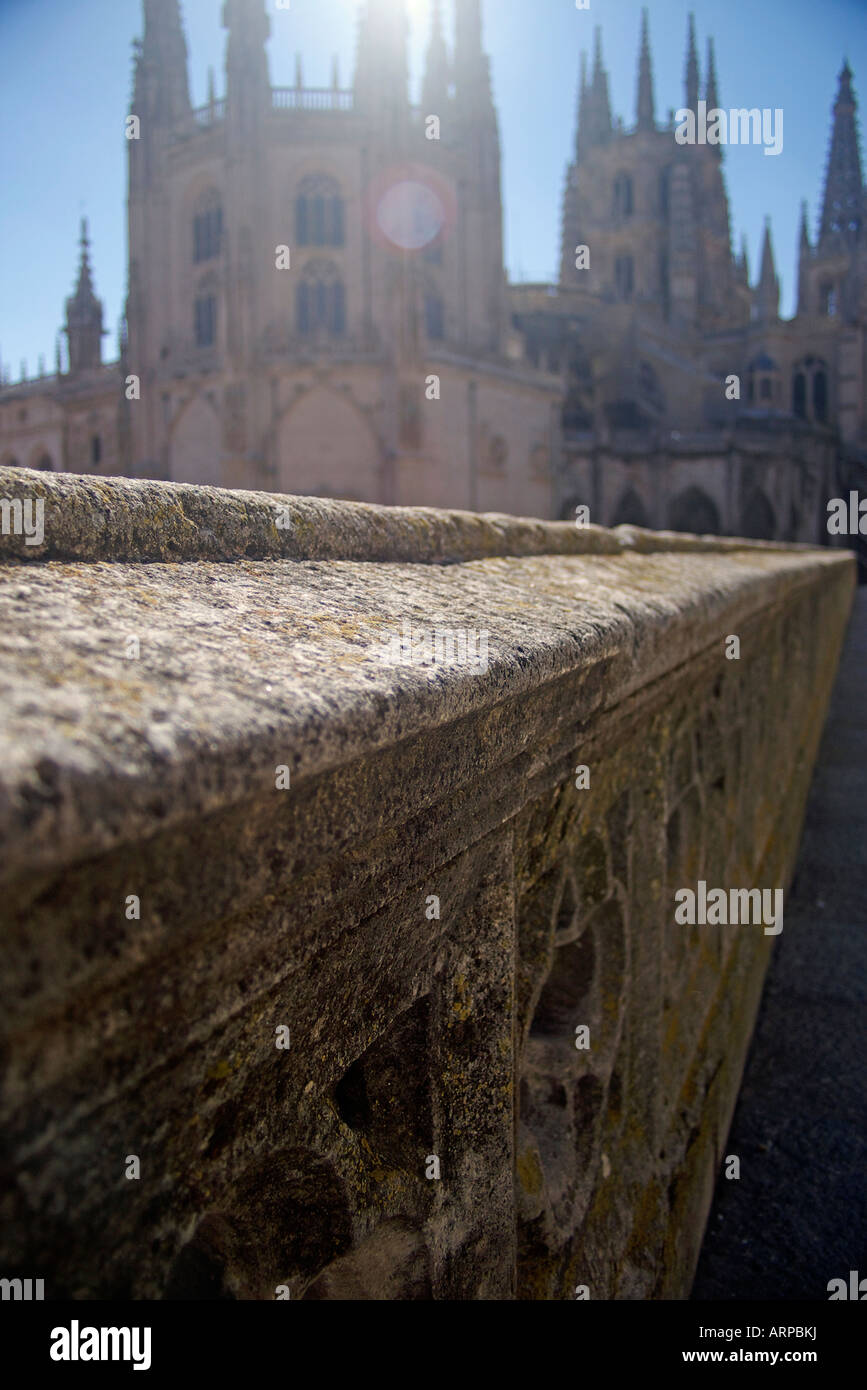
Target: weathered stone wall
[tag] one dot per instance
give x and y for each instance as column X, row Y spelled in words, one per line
column 310, row 907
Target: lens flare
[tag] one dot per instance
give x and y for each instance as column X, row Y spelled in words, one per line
column 410, row 215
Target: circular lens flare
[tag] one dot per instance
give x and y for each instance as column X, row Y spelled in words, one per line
column 410, row 215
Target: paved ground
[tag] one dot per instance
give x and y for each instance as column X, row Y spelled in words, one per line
column 798, row 1215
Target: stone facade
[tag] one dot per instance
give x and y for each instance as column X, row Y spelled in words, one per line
column 607, row 389
column 652, row 323
column 317, row 376
column 430, row 904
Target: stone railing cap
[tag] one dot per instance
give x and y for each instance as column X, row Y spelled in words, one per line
column 130, row 520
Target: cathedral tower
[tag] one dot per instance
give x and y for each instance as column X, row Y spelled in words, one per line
column 303, row 258
column 84, row 330
column 653, row 213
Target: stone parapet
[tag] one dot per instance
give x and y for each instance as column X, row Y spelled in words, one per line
column 313, row 782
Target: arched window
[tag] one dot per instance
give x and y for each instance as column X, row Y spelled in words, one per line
column 319, row 219
column 624, row 276
column 630, row 510
column 692, row 510
column 96, row 449
column 207, row 227
column 320, row 300
column 649, row 387
column 205, row 317
column 498, row 453
column 810, row 390
column 820, row 396
column 664, row 284
column 828, row 299
column 623, row 203
column 763, row 383
column 434, row 316
column 45, row 464
column 758, row 522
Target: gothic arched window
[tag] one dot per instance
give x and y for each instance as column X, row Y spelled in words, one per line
column 319, row 218
column 649, row 387
column 758, row 522
column 764, row 378
column 692, row 510
column 623, row 199
column 45, row 464
column 205, row 314
column 321, row 300
column 828, row 299
column 434, row 316
column 630, row 510
column 820, row 396
column 810, row 390
column 624, row 276
column 207, row 227
column 96, row 449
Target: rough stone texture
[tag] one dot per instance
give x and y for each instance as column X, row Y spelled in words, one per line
column 306, row 907
column 121, row 519
column 812, row 1010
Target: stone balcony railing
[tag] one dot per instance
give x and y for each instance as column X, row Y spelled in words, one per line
column 235, row 813
column 312, row 98
column 210, row 114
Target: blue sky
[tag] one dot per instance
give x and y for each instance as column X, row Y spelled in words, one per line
column 65, row 84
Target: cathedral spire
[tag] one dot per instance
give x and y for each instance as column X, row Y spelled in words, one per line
column 472, row 74
column 247, row 79
column 381, row 74
column 744, row 260
column 598, row 104
column 842, row 206
column 84, row 288
column 435, row 86
column 645, row 107
column 711, row 93
column 804, row 255
column 583, row 95
column 84, row 329
column 768, row 288
column 692, row 73
column 162, row 91
column 468, row 31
